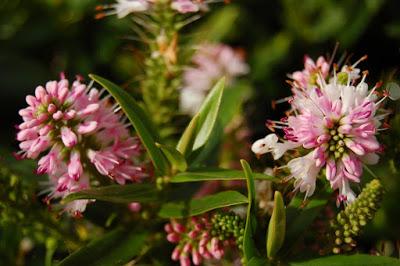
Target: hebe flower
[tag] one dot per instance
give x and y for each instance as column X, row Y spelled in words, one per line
column 123, row 8
column 309, row 75
column 336, row 124
column 204, row 238
column 71, row 128
column 210, row 63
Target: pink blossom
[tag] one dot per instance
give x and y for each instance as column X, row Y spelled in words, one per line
column 185, row 6
column 123, row 8
column 337, row 125
column 75, row 125
column 194, row 240
column 210, row 63
column 309, row 75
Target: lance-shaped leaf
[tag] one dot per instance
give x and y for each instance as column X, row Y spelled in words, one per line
column 352, row 260
column 219, row 174
column 249, row 247
column 175, row 158
column 117, row 193
column 202, row 205
column 117, row 247
column 140, row 121
column 276, row 226
column 207, row 117
column 185, row 144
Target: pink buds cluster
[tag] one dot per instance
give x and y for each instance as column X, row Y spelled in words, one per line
column 73, row 129
column 195, row 239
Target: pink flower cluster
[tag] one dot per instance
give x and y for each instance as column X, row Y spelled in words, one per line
column 335, row 120
column 123, row 8
column 194, row 240
column 73, row 129
column 210, row 63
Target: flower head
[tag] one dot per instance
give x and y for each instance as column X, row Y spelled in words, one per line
column 71, row 127
column 210, row 63
column 185, row 6
column 202, row 238
column 309, row 75
column 123, row 8
column 336, row 124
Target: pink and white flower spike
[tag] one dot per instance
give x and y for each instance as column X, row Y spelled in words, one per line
column 335, row 122
column 72, row 127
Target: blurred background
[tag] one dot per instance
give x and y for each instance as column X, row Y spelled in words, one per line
column 41, row 38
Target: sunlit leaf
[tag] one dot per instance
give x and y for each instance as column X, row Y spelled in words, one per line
column 206, row 174
column 249, row 247
column 175, row 158
column 202, row 205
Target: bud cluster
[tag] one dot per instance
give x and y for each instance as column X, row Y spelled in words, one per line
column 204, row 237
column 228, row 226
column 354, row 217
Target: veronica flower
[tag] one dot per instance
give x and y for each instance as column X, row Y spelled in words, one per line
column 185, row 6
column 123, row 8
column 70, row 127
column 194, row 241
column 210, row 63
column 336, row 124
column 309, row 75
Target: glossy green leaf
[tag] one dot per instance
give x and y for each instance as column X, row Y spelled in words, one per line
column 206, row 174
column 208, row 114
column 175, row 158
column 202, row 205
column 185, row 144
column 249, row 247
column 115, row 248
column 117, row 193
column 276, row 226
column 352, row 260
column 140, row 121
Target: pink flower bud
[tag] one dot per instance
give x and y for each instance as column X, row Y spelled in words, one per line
column 135, row 206
column 175, row 254
column 173, row 237
column 68, row 137
column 75, row 169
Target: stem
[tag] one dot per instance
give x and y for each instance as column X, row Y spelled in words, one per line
column 162, row 71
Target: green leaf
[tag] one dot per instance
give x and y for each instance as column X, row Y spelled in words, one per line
column 186, row 142
column 207, row 174
column 299, row 218
column 175, row 158
column 140, row 121
column 208, row 114
column 352, row 260
column 202, row 205
column 258, row 261
column 249, row 246
column 115, row 248
column 117, row 193
column 232, row 101
column 276, row 226
column 215, row 29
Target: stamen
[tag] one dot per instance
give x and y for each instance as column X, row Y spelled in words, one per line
column 360, row 60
